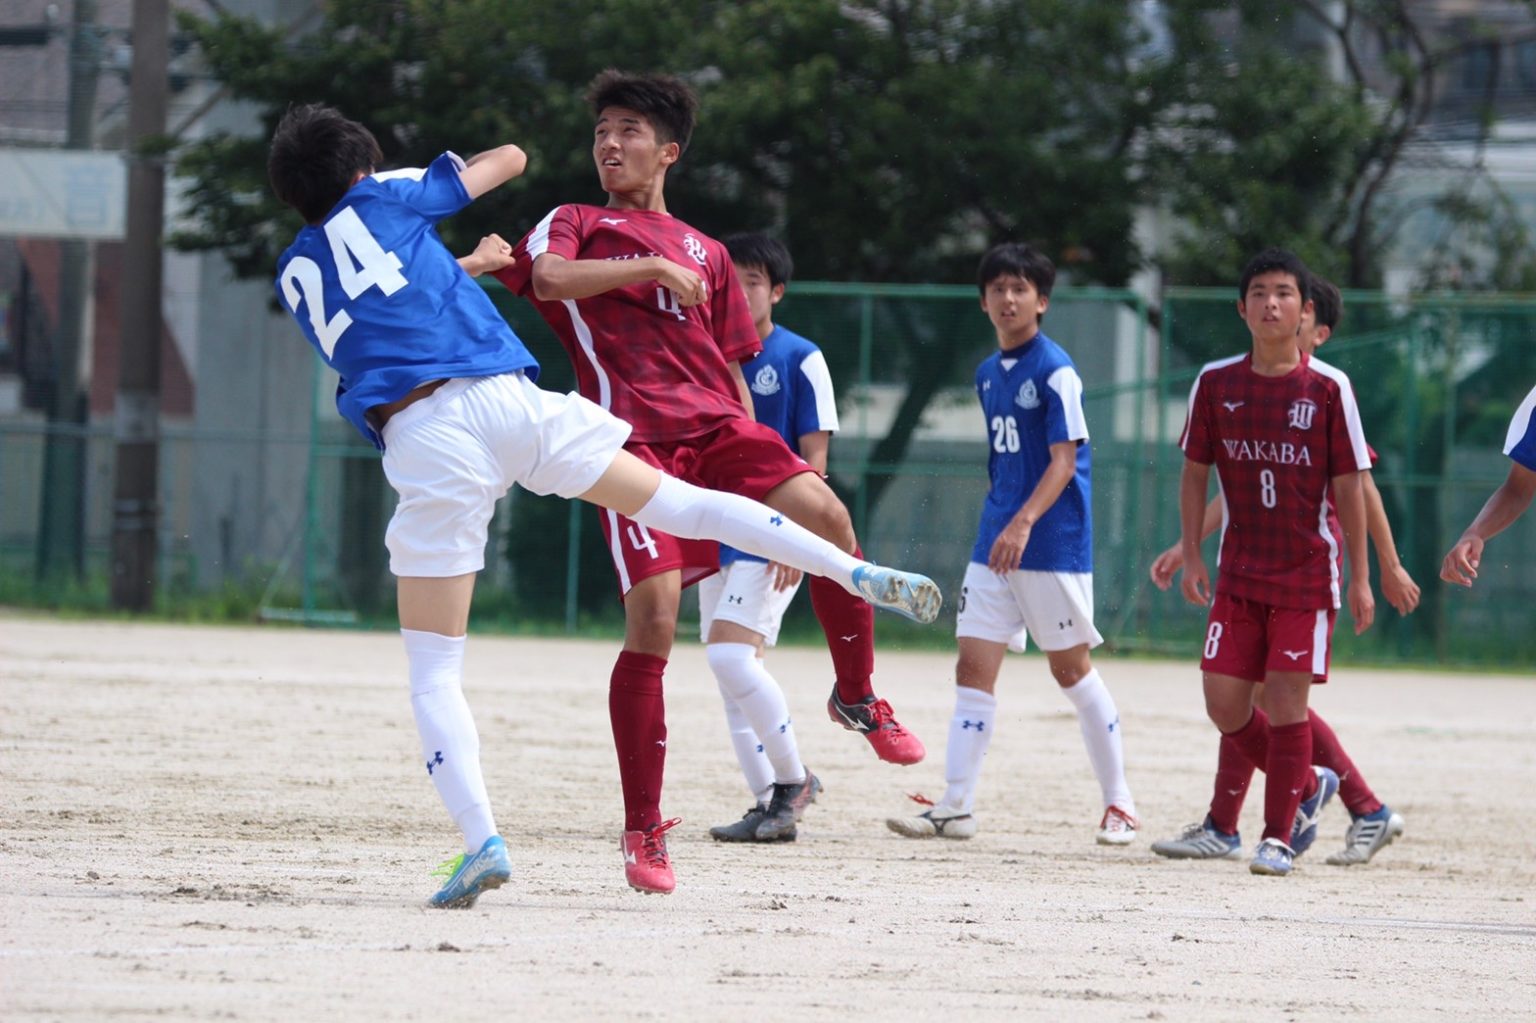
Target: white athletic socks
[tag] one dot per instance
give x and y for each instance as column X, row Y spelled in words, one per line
column 1100, row 724
column 747, row 687
column 755, row 767
column 685, row 510
column 970, row 732
column 449, row 743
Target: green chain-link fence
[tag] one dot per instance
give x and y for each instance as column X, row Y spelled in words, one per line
column 1438, row 378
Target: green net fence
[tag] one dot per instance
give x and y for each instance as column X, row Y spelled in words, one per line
column 1437, row 377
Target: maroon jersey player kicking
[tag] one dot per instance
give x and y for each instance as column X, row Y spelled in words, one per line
column 655, row 321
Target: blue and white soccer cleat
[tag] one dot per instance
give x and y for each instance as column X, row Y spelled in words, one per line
column 914, row 596
column 1304, row 828
column 468, row 876
column 1272, row 857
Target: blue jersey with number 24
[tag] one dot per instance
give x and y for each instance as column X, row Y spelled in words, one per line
column 384, row 302
column 1029, row 405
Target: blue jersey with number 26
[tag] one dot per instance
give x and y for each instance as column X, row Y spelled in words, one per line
column 1035, row 402
column 382, row 299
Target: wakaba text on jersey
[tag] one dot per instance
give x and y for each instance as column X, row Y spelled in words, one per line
column 1280, row 453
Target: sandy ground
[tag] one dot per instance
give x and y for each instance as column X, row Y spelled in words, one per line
column 214, row 823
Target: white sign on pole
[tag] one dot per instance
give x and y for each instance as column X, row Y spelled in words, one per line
column 62, row 193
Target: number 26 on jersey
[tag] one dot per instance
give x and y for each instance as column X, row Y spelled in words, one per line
column 361, row 263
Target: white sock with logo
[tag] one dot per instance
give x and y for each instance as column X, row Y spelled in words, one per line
column 1100, row 723
column 970, row 733
column 755, row 767
column 744, row 681
column 450, row 745
column 694, row 513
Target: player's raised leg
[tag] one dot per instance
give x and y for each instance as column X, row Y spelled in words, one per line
column 654, row 499
column 848, row 622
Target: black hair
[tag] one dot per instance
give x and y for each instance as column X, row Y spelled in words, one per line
column 757, row 251
column 1274, row 260
column 1327, row 303
column 669, row 103
column 315, row 156
column 1018, row 260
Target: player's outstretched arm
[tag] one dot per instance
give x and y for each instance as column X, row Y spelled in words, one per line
column 557, row 279
column 1396, row 584
column 492, row 168
column 1349, row 499
column 1193, row 484
column 1503, row 507
column 1167, row 564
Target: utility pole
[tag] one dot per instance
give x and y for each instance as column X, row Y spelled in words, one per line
column 61, row 533
column 135, row 507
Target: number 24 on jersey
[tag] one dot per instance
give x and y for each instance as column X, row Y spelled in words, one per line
column 361, row 263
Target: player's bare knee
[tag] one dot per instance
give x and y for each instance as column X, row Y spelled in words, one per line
column 650, row 630
column 834, row 523
column 1226, row 718
column 1069, row 667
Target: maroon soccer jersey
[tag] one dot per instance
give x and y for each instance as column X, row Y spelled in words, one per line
column 658, row 366
column 1276, row 443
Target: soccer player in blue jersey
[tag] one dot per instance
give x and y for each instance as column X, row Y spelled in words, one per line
column 1031, row 570
column 742, row 606
column 434, row 377
column 1504, row 505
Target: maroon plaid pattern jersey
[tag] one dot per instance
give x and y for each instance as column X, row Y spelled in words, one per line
column 1276, row 443
column 660, row 367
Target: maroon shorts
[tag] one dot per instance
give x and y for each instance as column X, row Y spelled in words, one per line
column 1247, row 639
column 740, row 457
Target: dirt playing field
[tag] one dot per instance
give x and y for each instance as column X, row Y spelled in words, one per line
column 228, row 823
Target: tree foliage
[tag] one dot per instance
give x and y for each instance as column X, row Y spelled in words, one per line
column 1257, row 142
column 887, row 141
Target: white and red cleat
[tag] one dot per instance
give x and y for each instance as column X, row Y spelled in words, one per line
column 647, row 867
column 1117, row 827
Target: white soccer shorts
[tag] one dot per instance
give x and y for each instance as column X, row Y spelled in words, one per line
column 1054, row 607
column 743, row 593
column 452, row 454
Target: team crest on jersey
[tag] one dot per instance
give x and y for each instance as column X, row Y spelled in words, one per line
column 1302, row 412
column 695, row 248
column 1027, row 398
column 766, row 381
